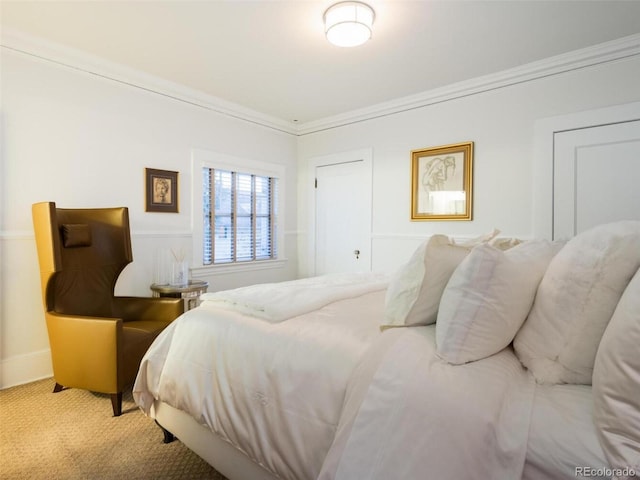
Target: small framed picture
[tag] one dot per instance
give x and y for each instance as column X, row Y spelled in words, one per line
column 161, row 190
column 442, row 182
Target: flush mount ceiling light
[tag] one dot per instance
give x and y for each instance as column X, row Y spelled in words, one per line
column 348, row 24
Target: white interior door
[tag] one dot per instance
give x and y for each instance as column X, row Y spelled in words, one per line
column 342, row 217
column 596, row 177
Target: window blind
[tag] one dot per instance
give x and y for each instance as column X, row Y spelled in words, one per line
column 239, row 216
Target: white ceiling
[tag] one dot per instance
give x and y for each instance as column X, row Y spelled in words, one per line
column 271, row 56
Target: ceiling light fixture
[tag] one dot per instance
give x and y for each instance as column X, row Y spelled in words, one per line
column 348, row 24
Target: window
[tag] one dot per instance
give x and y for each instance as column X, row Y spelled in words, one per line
column 238, row 211
column 239, row 216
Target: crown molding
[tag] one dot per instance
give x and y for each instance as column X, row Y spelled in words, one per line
column 72, row 58
column 75, row 59
column 602, row 53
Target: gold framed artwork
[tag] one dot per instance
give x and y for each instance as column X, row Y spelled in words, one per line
column 442, row 182
column 161, row 190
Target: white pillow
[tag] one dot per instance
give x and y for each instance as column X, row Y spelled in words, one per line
column 488, row 298
column 414, row 292
column 616, row 383
column 576, row 299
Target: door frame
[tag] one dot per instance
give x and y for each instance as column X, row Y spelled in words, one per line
column 366, row 156
column 543, row 154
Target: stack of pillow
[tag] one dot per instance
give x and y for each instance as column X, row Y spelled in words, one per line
column 479, row 292
column 584, row 328
column 572, row 312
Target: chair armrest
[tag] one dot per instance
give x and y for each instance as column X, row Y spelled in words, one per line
column 148, row 308
column 84, row 350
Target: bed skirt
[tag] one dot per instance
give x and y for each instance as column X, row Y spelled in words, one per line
column 221, row 455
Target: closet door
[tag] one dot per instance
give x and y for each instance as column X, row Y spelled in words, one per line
column 596, row 177
column 342, row 218
column 340, row 212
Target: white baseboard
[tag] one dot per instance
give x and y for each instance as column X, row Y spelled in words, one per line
column 21, row 369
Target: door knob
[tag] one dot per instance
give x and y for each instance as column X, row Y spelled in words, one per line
column 357, row 254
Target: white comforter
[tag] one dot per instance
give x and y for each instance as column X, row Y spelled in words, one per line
column 273, row 390
column 276, row 302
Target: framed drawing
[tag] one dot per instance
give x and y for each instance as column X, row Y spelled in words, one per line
column 442, row 182
column 161, row 191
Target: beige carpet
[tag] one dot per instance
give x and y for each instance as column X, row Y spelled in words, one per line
column 72, row 435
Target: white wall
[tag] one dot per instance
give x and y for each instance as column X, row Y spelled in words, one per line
column 82, row 140
column 500, row 122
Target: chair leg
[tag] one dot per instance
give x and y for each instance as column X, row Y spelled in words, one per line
column 57, row 388
column 116, row 403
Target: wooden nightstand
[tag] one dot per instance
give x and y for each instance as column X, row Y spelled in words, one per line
column 189, row 293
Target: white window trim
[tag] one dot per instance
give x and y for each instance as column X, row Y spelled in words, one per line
column 226, row 268
column 209, row 159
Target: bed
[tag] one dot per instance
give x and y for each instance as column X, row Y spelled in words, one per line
column 442, row 368
column 269, row 382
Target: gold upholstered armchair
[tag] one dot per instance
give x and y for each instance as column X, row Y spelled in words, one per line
column 97, row 339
